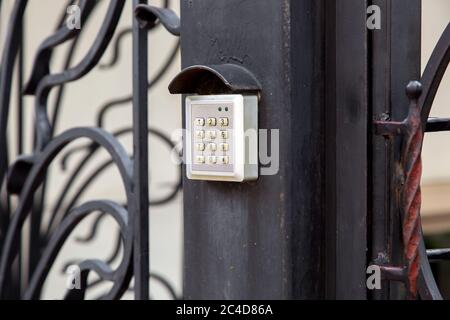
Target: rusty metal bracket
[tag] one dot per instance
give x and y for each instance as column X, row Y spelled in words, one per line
column 411, row 131
column 393, row 273
column 389, row 128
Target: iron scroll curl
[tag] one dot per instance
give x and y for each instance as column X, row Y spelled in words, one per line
column 28, row 174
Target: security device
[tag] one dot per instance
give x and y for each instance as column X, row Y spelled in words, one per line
column 221, row 141
column 221, row 112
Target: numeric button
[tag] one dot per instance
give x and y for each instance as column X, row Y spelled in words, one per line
column 212, row 147
column 224, row 160
column 212, row 159
column 200, row 159
column 211, row 135
column 224, row 147
column 212, row 122
column 200, row 134
column 200, row 147
column 200, row 122
column 224, row 122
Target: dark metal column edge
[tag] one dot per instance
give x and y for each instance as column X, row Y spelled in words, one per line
column 140, row 151
column 260, row 240
column 307, row 74
column 347, row 180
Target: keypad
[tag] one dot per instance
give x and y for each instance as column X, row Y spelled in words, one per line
column 212, row 146
column 215, row 145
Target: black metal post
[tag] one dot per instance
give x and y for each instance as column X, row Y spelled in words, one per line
column 311, row 230
column 140, row 147
column 261, row 240
column 346, row 149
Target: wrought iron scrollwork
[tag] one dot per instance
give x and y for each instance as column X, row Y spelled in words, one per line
column 27, row 175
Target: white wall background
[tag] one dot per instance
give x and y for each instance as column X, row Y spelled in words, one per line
column 436, row 153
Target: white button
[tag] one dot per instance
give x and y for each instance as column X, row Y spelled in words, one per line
column 224, row 147
column 224, row 160
column 200, row 159
column 224, row 122
column 224, row 134
column 212, row 147
column 200, row 122
column 212, row 135
column 200, row 134
column 200, row 147
column 212, row 160
column 212, row 122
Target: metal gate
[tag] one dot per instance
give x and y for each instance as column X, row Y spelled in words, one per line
column 318, row 229
column 26, row 175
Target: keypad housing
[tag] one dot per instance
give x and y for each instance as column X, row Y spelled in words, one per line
column 215, row 142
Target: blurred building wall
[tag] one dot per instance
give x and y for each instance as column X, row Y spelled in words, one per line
column 436, row 154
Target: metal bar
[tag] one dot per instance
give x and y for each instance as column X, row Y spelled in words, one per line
column 380, row 51
column 391, row 128
column 438, row 124
column 435, row 255
column 393, row 273
column 434, row 72
column 428, row 288
column 347, row 113
column 431, row 79
column 140, row 151
column 10, row 50
column 17, row 268
column 406, row 33
column 20, row 82
column 330, row 152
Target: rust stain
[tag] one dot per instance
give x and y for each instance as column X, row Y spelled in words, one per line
column 410, row 175
column 412, row 164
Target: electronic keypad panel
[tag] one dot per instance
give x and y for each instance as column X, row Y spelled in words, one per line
column 222, row 137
